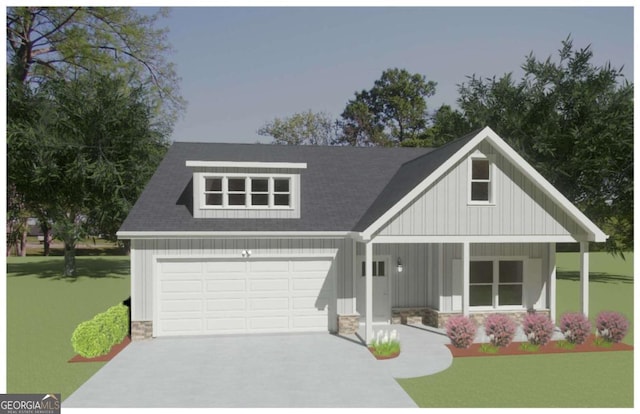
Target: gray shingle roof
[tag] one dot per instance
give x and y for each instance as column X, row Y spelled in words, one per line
column 342, row 189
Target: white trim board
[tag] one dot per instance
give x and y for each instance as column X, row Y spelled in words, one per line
column 245, row 164
column 475, row 239
column 231, row 234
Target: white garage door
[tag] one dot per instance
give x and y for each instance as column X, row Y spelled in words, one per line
column 242, row 296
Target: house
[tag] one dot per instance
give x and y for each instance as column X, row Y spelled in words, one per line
column 238, row 238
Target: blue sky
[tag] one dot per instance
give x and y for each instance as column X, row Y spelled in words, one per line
column 241, row 67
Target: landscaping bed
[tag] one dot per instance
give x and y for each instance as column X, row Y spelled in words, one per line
column 104, row 358
column 553, row 347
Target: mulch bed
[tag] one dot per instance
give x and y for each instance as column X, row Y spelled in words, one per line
column 113, row 352
column 380, row 357
column 550, row 348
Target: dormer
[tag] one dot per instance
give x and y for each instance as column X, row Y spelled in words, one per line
column 234, row 189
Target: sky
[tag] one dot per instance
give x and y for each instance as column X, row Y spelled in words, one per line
column 242, row 67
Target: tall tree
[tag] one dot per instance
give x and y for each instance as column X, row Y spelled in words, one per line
column 445, row 124
column 393, row 111
column 304, row 128
column 88, row 153
column 62, row 42
column 573, row 121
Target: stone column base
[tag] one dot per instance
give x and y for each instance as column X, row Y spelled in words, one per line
column 348, row 324
column 439, row 319
column 141, row 330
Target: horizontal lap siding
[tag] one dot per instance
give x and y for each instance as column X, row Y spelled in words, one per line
column 143, row 252
column 520, row 207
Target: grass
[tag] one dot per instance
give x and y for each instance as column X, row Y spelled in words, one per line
column 43, row 309
column 385, row 349
column 489, row 349
column 92, row 246
column 549, row 380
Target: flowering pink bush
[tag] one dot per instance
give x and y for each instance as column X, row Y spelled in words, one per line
column 538, row 328
column 575, row 327
column 461, row 330
column 500, row 328
column 612, row 326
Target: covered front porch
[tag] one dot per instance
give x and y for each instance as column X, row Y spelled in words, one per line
column 425, row 282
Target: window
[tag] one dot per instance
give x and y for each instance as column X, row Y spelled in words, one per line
column 480, row 180
column 495, row 283
column 378, row 268
column 235, row 191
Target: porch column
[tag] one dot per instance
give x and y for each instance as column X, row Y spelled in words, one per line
column 552, row 282
column 465, row 278
column 584, row 277
column 368, row 260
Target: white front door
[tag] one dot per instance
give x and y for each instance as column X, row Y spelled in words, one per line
column 381, row 290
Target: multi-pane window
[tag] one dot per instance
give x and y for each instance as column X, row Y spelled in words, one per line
column 378, row 268
column 480, row 180
column 248, row 192
column 494, row 283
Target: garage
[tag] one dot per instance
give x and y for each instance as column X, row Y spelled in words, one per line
column 229, row 296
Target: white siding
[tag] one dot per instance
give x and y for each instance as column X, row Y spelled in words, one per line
column 537, row 255
column 520, row 208
column 143, row 264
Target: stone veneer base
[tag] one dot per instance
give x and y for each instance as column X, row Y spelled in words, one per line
column 348, row 324
column 141, row 330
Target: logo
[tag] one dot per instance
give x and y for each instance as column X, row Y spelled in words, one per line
column 29, row 404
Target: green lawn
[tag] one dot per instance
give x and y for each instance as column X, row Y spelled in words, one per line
column 44, row 309
column 555, row 380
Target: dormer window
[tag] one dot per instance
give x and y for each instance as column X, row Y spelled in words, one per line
column 480, row 181
column 241, row 191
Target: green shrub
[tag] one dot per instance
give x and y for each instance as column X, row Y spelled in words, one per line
column 89, row 340
column 97, row 336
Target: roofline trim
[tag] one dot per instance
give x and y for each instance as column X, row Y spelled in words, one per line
column 130, row 235
column 596, row 234
column 245, row 164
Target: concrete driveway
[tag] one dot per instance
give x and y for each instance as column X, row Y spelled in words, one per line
column 280, row 370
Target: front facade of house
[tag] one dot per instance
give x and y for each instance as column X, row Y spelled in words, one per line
column 248, row 238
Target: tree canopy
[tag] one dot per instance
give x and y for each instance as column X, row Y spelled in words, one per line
column 304, row 128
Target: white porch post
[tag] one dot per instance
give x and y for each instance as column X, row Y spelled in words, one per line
column 552, row 282
column 368, row 260
column 584, row 277
column 465, row 278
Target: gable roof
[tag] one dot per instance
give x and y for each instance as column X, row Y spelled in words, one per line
column 343, row 189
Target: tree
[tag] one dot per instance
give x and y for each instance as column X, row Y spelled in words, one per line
column 304, row 128
column 446, row 124
column 88, row 154
column 393, row 111
column 573, row 121
column 63, row 42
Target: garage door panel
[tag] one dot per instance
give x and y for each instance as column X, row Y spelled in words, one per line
column 226, row 304
column 269, row 285
column 259, row 304
column 243, row 296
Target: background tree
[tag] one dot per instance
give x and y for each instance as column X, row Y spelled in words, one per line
column 573, row 121
column 89, row 152
column 445, row 125
column 393, row 111
column 304, row 128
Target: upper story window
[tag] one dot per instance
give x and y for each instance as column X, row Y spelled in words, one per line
column 480, row 185
column 247, row 192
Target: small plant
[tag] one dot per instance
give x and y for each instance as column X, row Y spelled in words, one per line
column 386, row 344
column 538, row 328
column 529, row 347
column 575, row 327
column 461, row 331
column 601, row 342
column 500, row 328
column 611, row 326
column 489, row 349
column 565, row 345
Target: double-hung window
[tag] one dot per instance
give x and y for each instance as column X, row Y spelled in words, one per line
column 480, row 186
column 258, row 192
column 496, row 283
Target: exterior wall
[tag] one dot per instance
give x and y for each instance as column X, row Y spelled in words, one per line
column 143, row 264
column 535, row 286
column 244, row 213
column 520, row 208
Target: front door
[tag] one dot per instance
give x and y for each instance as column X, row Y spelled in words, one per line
column 381, row 296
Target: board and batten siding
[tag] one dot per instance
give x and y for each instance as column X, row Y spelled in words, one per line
column 144, row 251
column 535, row 282
column 519, row 206
column 417, row 284
column 244, row 213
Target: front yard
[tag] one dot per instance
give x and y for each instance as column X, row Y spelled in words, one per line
column 567, row 380
column 42, row 312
